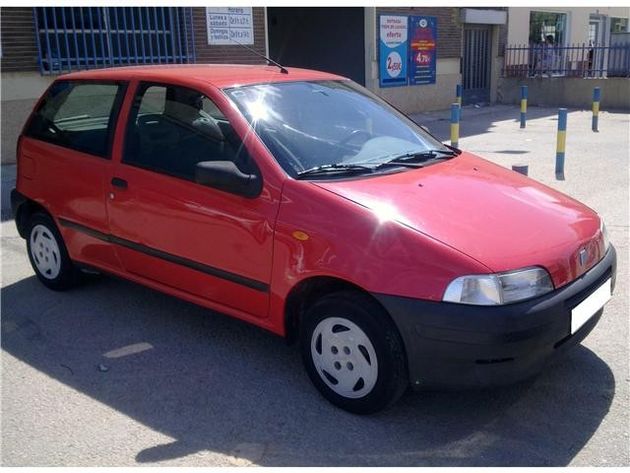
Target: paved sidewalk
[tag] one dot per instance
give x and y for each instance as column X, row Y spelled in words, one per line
column 468, row 112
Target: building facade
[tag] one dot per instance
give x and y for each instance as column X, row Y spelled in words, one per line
column 562, row 53
column 566, row 25
column 442, row 47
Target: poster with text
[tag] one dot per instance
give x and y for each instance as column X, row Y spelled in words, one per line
column 230, row 25
column 393, row 51
column 422, row 52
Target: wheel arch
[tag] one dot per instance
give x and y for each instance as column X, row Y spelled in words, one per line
column 23, row 213
column 306, row 292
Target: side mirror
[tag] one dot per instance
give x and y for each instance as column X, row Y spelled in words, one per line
column 225, row 176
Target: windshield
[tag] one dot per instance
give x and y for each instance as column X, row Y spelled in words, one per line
column 309, row 125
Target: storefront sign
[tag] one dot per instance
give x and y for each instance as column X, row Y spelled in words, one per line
column 227, row 24
column 422, row 52
column 393, row 50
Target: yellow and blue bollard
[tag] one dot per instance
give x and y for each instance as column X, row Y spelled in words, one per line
column 455, row 109
column 523, row 105
column 561, row 143
column 597, row 96
column 458, row 98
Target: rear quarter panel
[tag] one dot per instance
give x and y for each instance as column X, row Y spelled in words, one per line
column 70, row 185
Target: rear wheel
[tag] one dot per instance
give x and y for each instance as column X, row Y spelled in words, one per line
column 353, row 353
column 48, row 255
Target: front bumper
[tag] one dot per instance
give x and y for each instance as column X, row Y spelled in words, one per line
column 464, row 346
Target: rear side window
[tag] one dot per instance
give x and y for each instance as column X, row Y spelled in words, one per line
column 78, row 115
column 173, row 128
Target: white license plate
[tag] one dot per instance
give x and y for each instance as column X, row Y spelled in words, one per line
column 589, row 306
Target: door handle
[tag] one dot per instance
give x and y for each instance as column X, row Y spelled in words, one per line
column 118, row 182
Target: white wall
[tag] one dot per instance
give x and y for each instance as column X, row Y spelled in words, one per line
column 24, row 85
column 20, row 91
column 577, row 21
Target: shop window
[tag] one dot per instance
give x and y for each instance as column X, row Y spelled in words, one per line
column 618, row 25
column 547, row 28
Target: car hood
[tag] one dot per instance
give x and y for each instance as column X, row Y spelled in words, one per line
column 502, row 219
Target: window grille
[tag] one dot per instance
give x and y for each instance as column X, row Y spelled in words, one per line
column 74, row 38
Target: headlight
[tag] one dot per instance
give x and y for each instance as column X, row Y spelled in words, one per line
column 602, row 228
column 501, row 288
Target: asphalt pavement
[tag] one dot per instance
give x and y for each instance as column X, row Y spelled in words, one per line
column 115, row 374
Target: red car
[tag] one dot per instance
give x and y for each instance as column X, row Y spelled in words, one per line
column 302, row 203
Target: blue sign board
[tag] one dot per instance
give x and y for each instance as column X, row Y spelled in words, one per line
column 393, row 49
column 422, row 49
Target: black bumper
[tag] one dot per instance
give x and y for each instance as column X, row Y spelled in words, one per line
column 461, row 346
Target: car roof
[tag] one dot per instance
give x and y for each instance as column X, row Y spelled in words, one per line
column 219, row 75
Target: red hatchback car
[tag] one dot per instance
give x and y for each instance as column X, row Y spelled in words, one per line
column 302, row 203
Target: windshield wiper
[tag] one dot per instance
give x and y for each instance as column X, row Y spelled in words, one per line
column 412, row 159
column 335, row 168
column 422, row 156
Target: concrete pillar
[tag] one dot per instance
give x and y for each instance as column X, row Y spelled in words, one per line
column 495, row 64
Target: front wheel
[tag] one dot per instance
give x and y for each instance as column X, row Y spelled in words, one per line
column 353, row 353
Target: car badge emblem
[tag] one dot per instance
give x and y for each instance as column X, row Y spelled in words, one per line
column 583, row 255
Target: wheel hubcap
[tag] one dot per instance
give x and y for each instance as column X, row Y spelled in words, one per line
column 45, row 252
column 344, row 357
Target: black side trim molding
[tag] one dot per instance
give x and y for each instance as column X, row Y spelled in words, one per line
column 195, row 265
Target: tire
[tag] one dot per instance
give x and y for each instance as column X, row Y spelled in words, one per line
column 362, row 375
column 48, row 254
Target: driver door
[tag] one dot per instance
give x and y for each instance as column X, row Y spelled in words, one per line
column 169, row 230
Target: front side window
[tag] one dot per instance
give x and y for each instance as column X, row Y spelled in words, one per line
column 328, row 123
column 78, row 115
column 173, row 128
